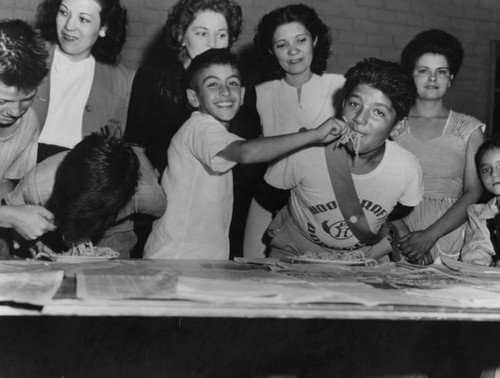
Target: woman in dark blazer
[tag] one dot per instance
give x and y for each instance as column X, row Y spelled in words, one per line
column 86, row 38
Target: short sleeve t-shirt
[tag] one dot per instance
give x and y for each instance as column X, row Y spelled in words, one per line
column 313, row 205
column 198, row 185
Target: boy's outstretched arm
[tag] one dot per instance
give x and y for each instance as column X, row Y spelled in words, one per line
column 265, row 149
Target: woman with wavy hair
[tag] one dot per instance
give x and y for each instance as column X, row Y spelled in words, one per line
column 293, row 45
column 86, row 88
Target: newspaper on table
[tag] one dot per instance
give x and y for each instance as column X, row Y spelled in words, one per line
column 276, row 282
column 454, row 285
column 479, row 286
column 23, row 282
column 126, row 280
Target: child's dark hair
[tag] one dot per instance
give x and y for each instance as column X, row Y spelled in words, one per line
column 209, row 58
column 488, row 144
column 387, row 77
column 433, row 41
column 23, row 57
column 263, row 40
column 95, row 180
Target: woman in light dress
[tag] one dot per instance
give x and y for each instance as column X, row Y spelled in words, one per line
column 445, row 143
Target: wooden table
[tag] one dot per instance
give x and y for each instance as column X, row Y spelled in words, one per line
column 138, row 337
column 65, row 303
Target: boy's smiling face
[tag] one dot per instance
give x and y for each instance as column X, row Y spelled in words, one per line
column 369, row 112
column 489, row 171
column 218, row 92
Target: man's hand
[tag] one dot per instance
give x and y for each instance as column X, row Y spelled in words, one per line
column 29, row 221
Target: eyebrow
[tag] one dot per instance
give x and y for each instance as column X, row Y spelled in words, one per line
column 295, row 36
column 438, row 68
column 389, row 108
column 205, row 28
column 218, row 78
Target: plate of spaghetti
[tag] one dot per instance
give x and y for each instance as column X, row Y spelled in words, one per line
column 81, row 253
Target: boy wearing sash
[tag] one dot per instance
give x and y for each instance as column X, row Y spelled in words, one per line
column 343, row 193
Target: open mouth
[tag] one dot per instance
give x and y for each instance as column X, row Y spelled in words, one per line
column 68, row 38
column 225, row 104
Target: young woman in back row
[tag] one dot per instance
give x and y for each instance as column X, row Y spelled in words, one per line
column 293, row 45
column 445, row 143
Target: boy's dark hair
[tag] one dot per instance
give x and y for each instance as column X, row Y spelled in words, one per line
column 113, row 15
column 95, row 180
column 387, row 77
column 209, row 58
column 23, row 57
column 183, row 13
column 433, row 41
column 263, row 40
column 488, row 144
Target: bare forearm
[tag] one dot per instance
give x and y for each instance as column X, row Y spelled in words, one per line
column 456, row 214
column 401, row 227
column 265, row 149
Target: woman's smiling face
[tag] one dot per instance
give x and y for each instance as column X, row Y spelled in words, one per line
column 293, row 48
column 78, row 24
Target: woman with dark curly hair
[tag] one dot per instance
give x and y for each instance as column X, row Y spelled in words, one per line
column 86, row 88
column 445, row 143
column 293, row 45
column 159, row 106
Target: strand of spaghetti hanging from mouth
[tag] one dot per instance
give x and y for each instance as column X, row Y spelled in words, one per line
column 352, row 136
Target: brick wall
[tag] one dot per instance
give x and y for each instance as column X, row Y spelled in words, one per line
column 361, row 28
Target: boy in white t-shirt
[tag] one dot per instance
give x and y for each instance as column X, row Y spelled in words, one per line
column 198, row 179
column 378, row 95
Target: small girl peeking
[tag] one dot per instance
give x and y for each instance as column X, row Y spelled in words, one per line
column 482, row 234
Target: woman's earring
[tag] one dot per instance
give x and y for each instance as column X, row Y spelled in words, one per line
column 102, row 33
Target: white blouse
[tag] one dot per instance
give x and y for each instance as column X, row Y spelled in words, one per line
column 70, row 84
column 282, row 111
